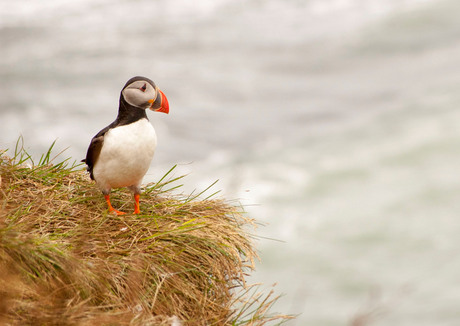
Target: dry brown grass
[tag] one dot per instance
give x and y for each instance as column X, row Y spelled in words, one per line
column 65, row 261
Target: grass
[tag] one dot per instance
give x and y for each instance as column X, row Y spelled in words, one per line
column 64, row 260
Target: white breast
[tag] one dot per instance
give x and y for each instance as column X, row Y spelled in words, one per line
column 125, row 155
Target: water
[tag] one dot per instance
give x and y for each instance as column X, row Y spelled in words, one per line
column 335, row 122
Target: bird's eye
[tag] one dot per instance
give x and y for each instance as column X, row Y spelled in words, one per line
column 143, row 88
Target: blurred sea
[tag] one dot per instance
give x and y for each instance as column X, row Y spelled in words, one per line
column 336, row 122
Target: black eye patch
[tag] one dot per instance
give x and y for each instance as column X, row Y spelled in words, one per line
column 143, row 88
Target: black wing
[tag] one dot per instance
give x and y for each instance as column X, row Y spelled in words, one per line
column 94, row 150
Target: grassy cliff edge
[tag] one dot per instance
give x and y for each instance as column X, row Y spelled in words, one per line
column 65, row 261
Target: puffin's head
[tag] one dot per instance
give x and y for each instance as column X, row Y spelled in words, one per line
column 141, row 92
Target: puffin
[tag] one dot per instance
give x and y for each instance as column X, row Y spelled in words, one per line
column 120, row 154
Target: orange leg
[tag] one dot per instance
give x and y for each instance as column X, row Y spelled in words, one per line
column 111, row 209
column 137, row 210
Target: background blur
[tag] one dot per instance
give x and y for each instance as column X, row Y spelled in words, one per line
column 336, row 122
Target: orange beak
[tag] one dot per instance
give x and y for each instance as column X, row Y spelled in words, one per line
column 160, row 104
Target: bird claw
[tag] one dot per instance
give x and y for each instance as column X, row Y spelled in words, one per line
column 114, row 211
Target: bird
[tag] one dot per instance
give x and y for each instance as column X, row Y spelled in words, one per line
column 120, row 154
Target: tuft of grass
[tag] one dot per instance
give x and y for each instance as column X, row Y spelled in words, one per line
column 64, row 260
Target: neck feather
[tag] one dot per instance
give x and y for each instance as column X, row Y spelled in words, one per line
column 128, row 113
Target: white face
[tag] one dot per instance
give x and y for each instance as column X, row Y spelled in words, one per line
column 140, row 94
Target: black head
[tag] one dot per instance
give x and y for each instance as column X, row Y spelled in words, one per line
column 138, row 94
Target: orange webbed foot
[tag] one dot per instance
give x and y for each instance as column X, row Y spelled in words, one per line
column 111, row 209
column 114, row 211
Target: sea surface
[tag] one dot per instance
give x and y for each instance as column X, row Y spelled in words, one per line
column 336, row 123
